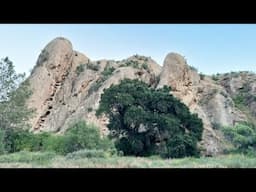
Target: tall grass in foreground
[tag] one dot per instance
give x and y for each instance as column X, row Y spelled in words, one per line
column 98, row 159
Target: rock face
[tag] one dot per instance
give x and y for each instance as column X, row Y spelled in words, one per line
column 67, row 87
column 209, row 100
column 62, row 93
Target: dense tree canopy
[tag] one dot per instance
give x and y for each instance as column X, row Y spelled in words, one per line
column 146, row 121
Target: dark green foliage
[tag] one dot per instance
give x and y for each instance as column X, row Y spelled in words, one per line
column 80, row 69
column 134, row 64
column 23, row 140
column 157, row 79
column 94, row 67
column 192, row 68
column 145, row 121
column 79, row 136
column 215, row 77
column 60, row 144
column 105, row 75
column 90, row 109
column 95, row 86
column 176, row 146
column 145, row 66
column 242, row 137
column 216, row 126
column 239, row 100
column 108, row 71
column 43, row 57
column 2, row 145
column 202, row 76
column 224, row 94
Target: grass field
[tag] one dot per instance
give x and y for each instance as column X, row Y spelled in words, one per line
column 51, row 160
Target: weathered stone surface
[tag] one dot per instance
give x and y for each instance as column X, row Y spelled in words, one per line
column 62, row 95
column 203, row 97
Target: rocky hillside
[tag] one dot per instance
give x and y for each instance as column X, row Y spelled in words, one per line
column 67, row 86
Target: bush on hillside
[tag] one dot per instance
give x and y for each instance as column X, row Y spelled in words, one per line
column 242, row 136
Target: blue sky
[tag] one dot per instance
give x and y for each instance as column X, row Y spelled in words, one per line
column 210, row 48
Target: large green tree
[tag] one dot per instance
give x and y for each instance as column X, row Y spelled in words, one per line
column 146, row 121
column 14, row 91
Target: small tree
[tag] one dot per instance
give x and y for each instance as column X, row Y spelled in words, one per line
column 14, row 92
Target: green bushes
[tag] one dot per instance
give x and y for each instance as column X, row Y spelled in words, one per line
column 202, row 76
column 216, row 126
column 105, row 75
column 144, row 66
column 108, row 71
column 242, row 137
column 215, row 77
column 2, row 148
column 79, row 136
column 94, row 67
column 59, row 144
column 135, row 64
column 192, row 68
column 23, row 140
column 80, row 69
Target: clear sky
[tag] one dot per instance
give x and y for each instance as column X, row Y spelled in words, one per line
column 210, row 48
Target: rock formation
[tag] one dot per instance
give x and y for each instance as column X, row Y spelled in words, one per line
column 67, row 86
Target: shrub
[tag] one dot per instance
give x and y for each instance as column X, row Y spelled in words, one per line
column 60, row 144
column 106, row 74
column 79, row 136
column 192, row 68
column 89, row 109
column 2, row 146
column 93, row 67
column 216, row 126
column 85, row 135
column 95, row 86
column 145, row 66
column 23, row 140
column 132, row 63
column 80, row 69
column 239, row 100
column 202, row 76
column 215, row 77
column 107, row 71
column 242, row 137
